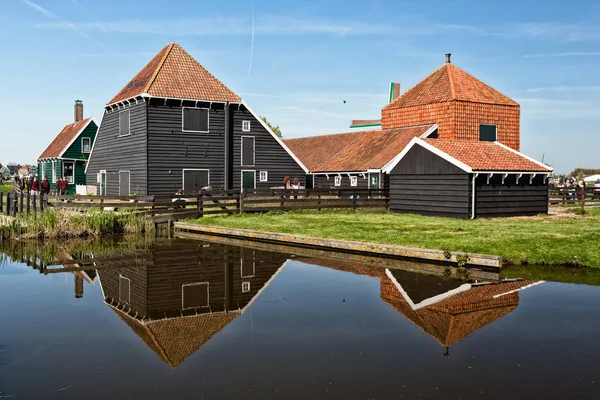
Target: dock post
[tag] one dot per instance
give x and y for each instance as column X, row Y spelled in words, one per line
column 200, row 206
column 242, row 200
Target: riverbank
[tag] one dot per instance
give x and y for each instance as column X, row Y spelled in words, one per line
column 565, row 239
column 64, row 223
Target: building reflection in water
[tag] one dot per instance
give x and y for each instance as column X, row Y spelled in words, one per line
column 176, row 295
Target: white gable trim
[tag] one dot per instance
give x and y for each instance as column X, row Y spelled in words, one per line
column 429, row 131
column 392, row 164
column 427, row 302
column 260, row 120
column 547, row 168
column 77, row 136
column 94, row 143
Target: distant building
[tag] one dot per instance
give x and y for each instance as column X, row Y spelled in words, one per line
column 176, row 126
column 66, row 156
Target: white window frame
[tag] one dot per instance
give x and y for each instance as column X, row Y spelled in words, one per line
column 354, row 180
column 242, row 177
column 83, row 140
column 128, row 122
column 63, row 171
column 246, row 126
column 53, row 171
column 129, row 281
column 494, row 125
column 43, row 165
column 245, row 287
column 263, row 176
column 337, row 181
column 196, row 284
column 196, row 108
column 129, row 188
column 191, row 169
column 253, row 152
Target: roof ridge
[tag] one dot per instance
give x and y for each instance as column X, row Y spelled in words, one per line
column 450, row 68
column 158, row 68
column 397, row 99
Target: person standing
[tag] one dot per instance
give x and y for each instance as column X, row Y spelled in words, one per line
column 44, row 188
column 34, row 187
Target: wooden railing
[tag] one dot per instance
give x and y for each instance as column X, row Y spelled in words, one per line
column 574, row 195
column 172, row 207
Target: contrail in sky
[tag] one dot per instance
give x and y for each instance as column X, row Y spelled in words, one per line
column 51, row 15
column 251, row 43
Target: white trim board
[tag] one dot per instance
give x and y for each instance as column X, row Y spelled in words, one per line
column 77, row 135
column 260, row 120
column 94, row 144
column 427, row 302
column 549, row 169
column 262, row 289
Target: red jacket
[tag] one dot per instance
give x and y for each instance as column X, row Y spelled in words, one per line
column 34, row 185
column 45, row 186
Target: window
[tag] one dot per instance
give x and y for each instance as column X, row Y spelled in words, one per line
column 195, row 119
column 124, row 123
column 68, row 172
column 245, row 126
column 86, row 145
column 247, row 151
column 488, row 133
column 43, row 166
column 338, row 181
column 248, row 264
column 53, row 171
column 354, row 181
column 263, row 176
column 194, row 295
column 124, row 289
column 245, row 287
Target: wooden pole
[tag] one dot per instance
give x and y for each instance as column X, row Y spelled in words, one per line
column 242, row 201
column 582, row 200
column 200, row 206
column 21, row 203
column 1, row 201
column 28, row 202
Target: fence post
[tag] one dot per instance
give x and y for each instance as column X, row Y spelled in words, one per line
column 242, row 201
column 319, row 202
column 583, row 201
column 14, row 204
column 1, row 201
column 41, row 203
column 21, row 203
column 28, row 202
column 200, row 206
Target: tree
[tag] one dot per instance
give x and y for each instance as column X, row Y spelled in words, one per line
column 276, row 130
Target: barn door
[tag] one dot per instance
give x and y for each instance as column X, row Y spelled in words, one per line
column 194, row 180
column 124, row 183
column 248, row 179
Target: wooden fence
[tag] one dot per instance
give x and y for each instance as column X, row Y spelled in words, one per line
column 168, row 208
column 572, row 195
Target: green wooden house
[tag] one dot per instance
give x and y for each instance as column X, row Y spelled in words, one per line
column 68, row 153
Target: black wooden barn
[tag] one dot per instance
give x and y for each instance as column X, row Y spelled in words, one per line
column 467, row 180
column 175, row 126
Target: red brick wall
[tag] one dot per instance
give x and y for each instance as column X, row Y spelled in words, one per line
column 470, row 115
column 459, row 120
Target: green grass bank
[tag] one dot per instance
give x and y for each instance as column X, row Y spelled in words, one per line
column 567, row 239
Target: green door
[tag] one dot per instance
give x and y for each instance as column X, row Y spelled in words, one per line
column 310, row 183
column 248, row 179
column 373, row 180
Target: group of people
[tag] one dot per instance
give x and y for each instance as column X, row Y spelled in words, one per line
column 295, row 184
column 37, row 188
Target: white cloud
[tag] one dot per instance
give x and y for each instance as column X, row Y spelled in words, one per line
column 563, row 89
column 558, row 31
column 564, row 54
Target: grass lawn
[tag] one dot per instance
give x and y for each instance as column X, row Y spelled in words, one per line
column 568, row 239
column 6, row 187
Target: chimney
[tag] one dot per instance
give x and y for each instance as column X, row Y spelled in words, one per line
column 78, row 110
column 394, row 91
column 448, row 58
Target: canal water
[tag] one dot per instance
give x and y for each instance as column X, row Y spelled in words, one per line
column 179, row 319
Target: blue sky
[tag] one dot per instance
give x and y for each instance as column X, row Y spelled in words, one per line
column 304, row 59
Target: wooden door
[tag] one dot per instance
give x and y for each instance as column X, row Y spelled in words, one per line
column 374, row 180
column 248, row 179
column 194, row 180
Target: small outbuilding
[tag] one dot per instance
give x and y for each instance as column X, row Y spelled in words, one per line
column 467, row 180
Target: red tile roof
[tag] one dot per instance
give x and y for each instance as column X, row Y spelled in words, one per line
column 173, row 73
column 487, row 156
column 446, row 83
column 354, row 151
column 66, row 135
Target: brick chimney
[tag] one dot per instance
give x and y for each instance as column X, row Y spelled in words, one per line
column 78, row 110
column 448, row 58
